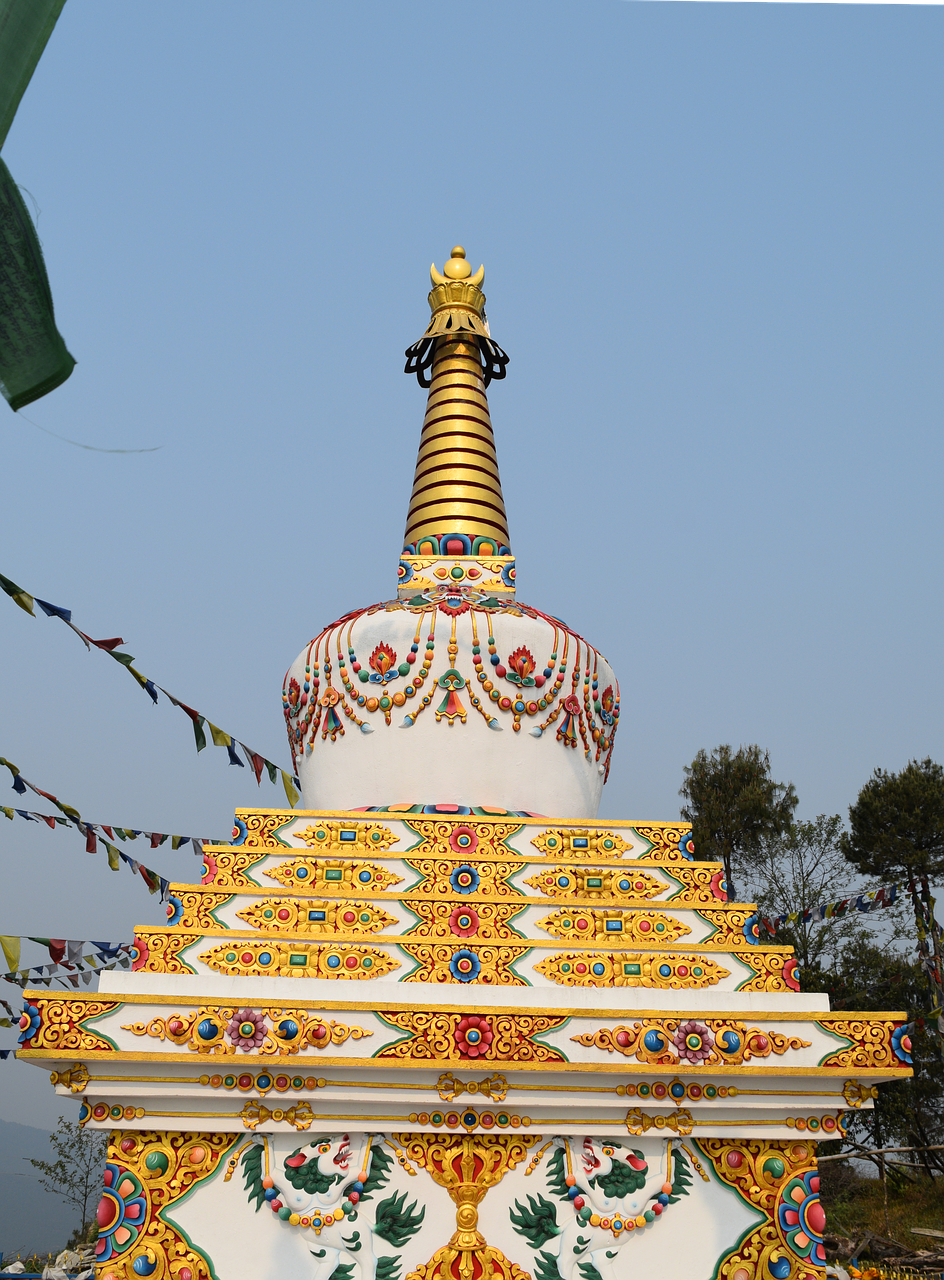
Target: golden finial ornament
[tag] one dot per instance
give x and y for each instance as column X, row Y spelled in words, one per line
column 458, row 306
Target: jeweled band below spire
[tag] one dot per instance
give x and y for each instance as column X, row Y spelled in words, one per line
column 456, row 507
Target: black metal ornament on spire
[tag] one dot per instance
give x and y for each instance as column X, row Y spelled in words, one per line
column 419, row 358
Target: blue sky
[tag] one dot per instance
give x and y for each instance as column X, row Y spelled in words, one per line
column 712, row 240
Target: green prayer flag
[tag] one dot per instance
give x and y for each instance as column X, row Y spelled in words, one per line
column 273, row 770
column 33, row 356
column 198, row 733
column 11, row 950
column 124, row 658
column 22, row 598
column 25, row 26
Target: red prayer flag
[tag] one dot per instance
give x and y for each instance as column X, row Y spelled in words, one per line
column 91, row 840
column 57, row 949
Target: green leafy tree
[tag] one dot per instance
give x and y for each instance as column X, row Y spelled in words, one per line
column 733, row 805
column 76, row 1172
column 897, row 823
column 801, row 868
column 867, row 977
column 897, row 832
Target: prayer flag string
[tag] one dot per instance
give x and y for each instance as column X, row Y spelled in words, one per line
column 258, row 763
column 72, row 962
column 111, row 829
column 864, row 902
column 116, row 856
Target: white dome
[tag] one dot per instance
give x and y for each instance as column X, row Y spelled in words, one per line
column 526, row 728
column 453, row 693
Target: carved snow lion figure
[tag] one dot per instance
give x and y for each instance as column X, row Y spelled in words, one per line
column 611, row 1194
column 325, row 1189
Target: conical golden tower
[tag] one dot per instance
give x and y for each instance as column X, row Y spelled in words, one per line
column 457, row 507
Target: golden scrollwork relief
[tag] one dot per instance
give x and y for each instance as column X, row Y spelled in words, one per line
column 488, row 878
column 871, row 1043
column 462, row 838
column 452, row 920
column 668, row 841
column 62, row 1025
column 506, row 1037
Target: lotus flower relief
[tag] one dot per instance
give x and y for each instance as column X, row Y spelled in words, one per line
column 521, row 665
column 606, row 705
column 383, row 663
column 247, row 1029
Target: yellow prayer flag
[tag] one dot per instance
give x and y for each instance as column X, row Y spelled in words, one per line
column 220, row 739
column 290, row 793
column 11, row 950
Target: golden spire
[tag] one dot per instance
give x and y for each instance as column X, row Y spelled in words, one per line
column 456, row 489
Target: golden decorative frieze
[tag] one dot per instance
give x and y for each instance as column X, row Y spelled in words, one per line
column 156, row 951
column 774, row 970
column 284, row 915
column 693, row 1041
column 260, row 827
column 226, row 868
column 781, row 1180
column 596, row 882
column 613, row 925
column 631, row 969
column 339, row 960
column 347, row 837
column 580, row 842
column 224, row 1029
column 334, row 875
column 190, row 908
